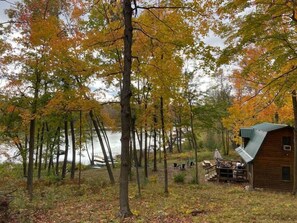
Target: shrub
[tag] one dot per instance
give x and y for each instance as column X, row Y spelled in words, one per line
column 179, row 178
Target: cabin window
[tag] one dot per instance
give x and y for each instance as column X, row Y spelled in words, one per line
column 286, row 143
column 286, row 173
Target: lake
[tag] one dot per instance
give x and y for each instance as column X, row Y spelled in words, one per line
column 7, row 153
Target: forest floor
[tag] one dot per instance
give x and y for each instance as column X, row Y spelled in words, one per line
column 95, row 200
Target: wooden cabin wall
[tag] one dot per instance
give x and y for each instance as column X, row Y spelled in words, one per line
column 267, row 166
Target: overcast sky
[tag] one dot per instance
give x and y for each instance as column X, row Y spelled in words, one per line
column 3, row 6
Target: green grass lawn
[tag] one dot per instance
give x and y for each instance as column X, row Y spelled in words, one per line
column 97, row 201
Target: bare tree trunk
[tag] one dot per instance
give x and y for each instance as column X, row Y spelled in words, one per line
column 164, row 149
column 41, row 150
column 125, row 110
column 159, row 143
column 135, row 155
column 80, row 146
column 180, row 135
column 102, row 147
column 294, row 100
column 31, row 153
column 103, row 130
column 37, row 146
column 64, row 168
column 227, row 142
column 32, row 136
column 140, row 140
column 51, row 150
column 73, row 149
column 47, row 146
column 130, row 160
column 194, row 143
column 145, row 147
column 170, row 142
column 155, row 144
column 24, row 156
column 58, row 151
column 92, row 142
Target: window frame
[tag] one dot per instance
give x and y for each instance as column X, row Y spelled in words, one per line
column 287, row 143
column 286, row 176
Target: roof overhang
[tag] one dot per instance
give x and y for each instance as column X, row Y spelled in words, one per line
column 244, row 155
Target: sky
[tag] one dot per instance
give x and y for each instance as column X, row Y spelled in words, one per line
column 3, row 6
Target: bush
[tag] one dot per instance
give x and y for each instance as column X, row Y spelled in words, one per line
column 179, row 178
column 205, row 155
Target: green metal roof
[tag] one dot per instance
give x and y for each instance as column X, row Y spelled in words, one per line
column 244, row 155
column 268, row 127
column 256, row 134
column 246, row 132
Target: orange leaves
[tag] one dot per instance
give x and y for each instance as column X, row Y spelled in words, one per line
column 77, row 12
column 11, row 108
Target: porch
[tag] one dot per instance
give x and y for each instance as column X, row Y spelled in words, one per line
column 225, row 171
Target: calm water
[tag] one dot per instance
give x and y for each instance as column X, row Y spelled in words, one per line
column 7, row 153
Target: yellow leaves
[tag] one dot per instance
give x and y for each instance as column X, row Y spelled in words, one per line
column 44, row 30
column 26, row 117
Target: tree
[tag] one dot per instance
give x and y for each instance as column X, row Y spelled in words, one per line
column 125, row 109
column 261, row 39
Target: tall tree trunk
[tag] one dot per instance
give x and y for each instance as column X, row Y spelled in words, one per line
column 155, row 144
column 178, row 138
column 294, row 100
column 24, row 156
column 194, row 143
column 73, row 149
column 164, row 149
column 125, row 110
column 103, row 130
column 223, row 141
column 47, row 146
column 102, row 147
column 58, row 151
column 180, row 134
column 140, row 140
column 227, row 142
column 32, row 135
column 160, row 143
column 64, row 168
column 80, row 146
column 170, row 142
column 31, row 154
column 145, row 147
column 37, row 148
column 130, row 160
column 41, row 150
column 135, row 154
column 23, row 153
column 52, row 146
column 92, row 142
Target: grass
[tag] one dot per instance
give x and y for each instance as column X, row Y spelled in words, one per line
column 97, row 201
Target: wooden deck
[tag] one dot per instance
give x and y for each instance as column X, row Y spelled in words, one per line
column 225, row 171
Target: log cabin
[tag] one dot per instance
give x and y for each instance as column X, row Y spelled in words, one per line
column 268, row 152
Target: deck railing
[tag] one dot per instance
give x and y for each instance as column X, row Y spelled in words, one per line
column 225, row 171
column 231, row 174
